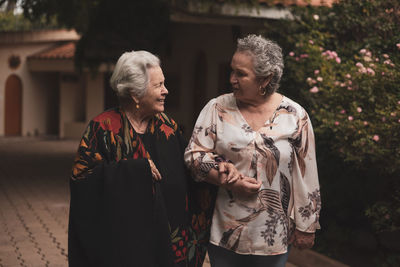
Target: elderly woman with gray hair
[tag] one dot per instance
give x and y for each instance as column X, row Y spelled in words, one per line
column 258, row 147
column 129, row 185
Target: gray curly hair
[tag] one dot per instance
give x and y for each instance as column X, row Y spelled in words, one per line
column 130, row 76
column 267, row 59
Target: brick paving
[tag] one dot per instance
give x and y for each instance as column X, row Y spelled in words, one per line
column 34, row 201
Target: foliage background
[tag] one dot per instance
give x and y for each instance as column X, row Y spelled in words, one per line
column 343, row 65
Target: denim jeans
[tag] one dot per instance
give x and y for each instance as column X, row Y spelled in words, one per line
column 221, row 257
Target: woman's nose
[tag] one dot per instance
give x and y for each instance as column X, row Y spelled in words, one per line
column 164, row 90
column 232, row 78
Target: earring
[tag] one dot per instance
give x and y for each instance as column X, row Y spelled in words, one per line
column 263, row 91
column 137, row 105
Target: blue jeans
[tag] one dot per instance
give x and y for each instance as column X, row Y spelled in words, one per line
column 221, row 257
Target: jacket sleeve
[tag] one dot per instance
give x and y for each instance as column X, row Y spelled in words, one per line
column 306, row 191
column 200, row 153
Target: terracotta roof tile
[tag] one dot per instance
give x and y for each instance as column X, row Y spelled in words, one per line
column 64, row 51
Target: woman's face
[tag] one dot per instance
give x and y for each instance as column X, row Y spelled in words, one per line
column 154, row 99
column 245, row 85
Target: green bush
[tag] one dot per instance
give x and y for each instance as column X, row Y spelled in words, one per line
column 343, row 65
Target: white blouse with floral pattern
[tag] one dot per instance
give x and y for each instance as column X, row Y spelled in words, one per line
column 281, row 154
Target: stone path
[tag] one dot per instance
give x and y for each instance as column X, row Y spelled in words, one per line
column 34, row 201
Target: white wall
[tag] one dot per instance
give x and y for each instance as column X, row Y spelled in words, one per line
column 72, row 105
column 95, row 94
column 34, row 89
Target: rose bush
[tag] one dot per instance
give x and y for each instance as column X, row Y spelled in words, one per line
column 343, row 66
column 356, row 102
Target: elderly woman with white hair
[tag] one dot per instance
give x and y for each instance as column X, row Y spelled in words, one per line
column 129, row 185
column 258, row 147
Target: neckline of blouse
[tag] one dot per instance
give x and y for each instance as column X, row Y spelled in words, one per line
column 268, row 121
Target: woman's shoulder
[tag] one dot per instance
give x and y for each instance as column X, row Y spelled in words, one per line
column 165, row 119
column 111, row 114
column 108, row 120
column 292, row 106
column 227, row 100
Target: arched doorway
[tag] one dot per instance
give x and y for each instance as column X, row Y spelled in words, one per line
column 13, row 106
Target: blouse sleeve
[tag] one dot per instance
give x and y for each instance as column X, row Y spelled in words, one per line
column 306, row 192
column 200, row 154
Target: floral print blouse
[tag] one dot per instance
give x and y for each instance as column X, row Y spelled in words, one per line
column 281, row 154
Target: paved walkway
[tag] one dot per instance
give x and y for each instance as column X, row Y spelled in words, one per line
column 34, row 203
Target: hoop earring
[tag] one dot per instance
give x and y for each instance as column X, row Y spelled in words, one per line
column 263, row 91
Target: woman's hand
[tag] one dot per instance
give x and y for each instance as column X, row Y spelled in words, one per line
column 245, row 186
column 154, row 171
column 302, row 240
column 228, row 174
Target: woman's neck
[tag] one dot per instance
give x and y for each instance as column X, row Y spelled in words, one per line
column 137, row 119
column 260, row 105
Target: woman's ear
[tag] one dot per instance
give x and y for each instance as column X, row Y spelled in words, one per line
column 265, row 81
column 135, row 99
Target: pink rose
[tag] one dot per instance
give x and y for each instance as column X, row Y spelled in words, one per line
column 371, row 71
column 398, row 45
column 291, row 53
column 338, row 60
column 375, row 138
column 359, row 110
column 314, row 90
column 311, row 41
column 342, row 111
column 337, row 123
column 359, row 64
column 385, row 55
column 316, row 72
column 320, row 79
column 350, row 118
column 365, row 123
column 363, row 51
column 348, row 76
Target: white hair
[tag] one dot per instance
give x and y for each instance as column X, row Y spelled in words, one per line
column 266, row 57
column 130, row 76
